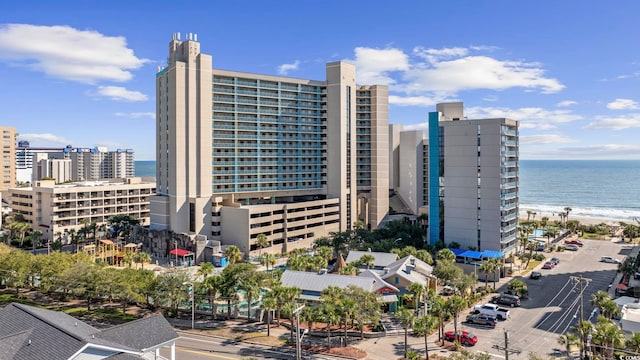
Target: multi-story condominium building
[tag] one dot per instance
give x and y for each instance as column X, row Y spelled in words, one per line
column 473, row 180
column 8, row 179
column 45, row 166
column 35, row 163
column 56, row 209
column 412, row 167
column 25, row 159
column 99, row 163
column 241, row 154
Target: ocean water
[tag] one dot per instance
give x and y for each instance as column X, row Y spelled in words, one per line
column 146, row 168
column 594, row 188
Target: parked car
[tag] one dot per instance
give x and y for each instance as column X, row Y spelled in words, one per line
column 465, row 337
column 448, row 290
column 574, row 242
column 540, row 247
column 571, row 247
column 611, row 260
column 535, row 275
column 555, row 260
column 636, row 276
column 506, row 299
column 492, row 310
column 481, row 319
column 548, row 265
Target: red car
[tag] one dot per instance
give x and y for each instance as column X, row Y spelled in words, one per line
column 574, row 242
column 466, row 338
column 548, row 265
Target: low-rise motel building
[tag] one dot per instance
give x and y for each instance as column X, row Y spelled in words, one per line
column 55, row 209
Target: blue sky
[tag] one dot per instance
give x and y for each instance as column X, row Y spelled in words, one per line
column 83, row 73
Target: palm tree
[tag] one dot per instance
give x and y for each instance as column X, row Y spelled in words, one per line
column 262, row 242
column 141, row 258
column 583, row 329
column 490, row 266
column 268, row 259
column 529, row 213
column 406, row 318
column 456, row 304
column 233, row 254
column 212, row 285
column 608, row 336
column 418, row 291
column 441, row 311
column 567, row 210
column 423, row 326
column 367, row 260
column 633, row 344
column 568, row 341
column 268, row 304
column 128, row 258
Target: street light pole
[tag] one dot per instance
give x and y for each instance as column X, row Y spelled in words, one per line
column 193, row 302
column 296, row 312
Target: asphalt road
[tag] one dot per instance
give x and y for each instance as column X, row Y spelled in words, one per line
column 554, row 302
column 201, row 347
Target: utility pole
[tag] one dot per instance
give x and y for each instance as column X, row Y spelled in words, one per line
column 581, row 281
column 506, row 344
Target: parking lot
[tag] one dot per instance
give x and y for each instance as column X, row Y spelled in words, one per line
column 553, row 305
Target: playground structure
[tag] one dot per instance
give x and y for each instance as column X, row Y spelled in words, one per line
column 108, row 251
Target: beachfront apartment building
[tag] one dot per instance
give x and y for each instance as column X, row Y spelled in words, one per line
column 25, row 159
column 35, row 163
column 9, row 136
column 473, row 186
column 55, row 209
column 242, row 154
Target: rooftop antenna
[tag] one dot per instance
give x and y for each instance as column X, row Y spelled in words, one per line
column 178, row 36
column 195, row 37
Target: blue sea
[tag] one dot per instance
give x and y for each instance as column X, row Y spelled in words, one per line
column 593, row 188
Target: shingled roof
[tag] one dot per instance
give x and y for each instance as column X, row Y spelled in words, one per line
column 27, row 332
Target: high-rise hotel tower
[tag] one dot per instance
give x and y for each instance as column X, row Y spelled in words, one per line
column 473, row 180
column 240, row 154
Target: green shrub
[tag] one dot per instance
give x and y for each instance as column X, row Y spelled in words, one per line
column 412, row 355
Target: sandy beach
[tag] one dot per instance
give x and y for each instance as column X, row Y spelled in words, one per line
column 583, row 219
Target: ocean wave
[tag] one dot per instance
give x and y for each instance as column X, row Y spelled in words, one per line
column 592, row 212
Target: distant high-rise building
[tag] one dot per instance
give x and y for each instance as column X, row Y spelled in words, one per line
column 26, row 160
column 100, row 163
column 473, row 180
column 8, row 179
column 35, row 163
column 241, row 154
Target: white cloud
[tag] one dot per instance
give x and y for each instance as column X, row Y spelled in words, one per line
column 447, row 71
column 64, row 52
column 137, row 115
column 374, row 65
column 119, row 93
column 414, row 100
column 435, row 55
column 566, row 103
column 44, row 139
column 615, row 123
column 544, row 139
column 622, row 104
column 285, row 68
column 524, row 115
column 480, row 72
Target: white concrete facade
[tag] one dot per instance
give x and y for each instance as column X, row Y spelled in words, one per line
column 480, row 181
column 231, row 142
column 54, row 209
column 8, row 176
column 412, row 169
